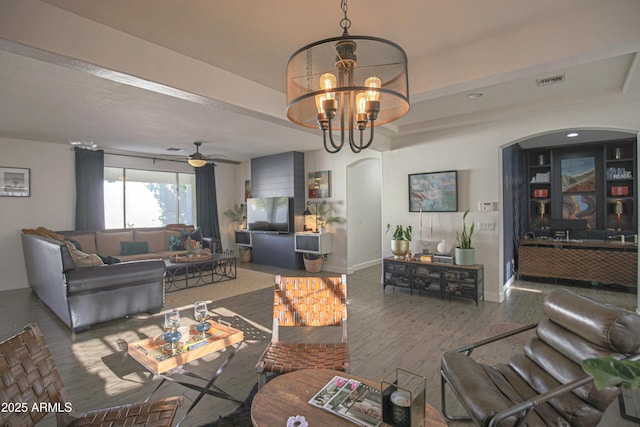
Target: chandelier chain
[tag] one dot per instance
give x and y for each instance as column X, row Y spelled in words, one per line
column 345, row 22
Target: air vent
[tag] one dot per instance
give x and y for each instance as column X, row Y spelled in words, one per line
column 551, row 80
column 174, row 149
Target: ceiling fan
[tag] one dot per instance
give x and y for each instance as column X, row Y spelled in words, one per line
column 198, row 159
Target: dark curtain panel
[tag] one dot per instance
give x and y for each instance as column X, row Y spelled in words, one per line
column 89, row 190
column 520, row 195
column 206, row 202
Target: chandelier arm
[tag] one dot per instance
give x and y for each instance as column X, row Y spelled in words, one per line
column 362, row 147
column 336, row 148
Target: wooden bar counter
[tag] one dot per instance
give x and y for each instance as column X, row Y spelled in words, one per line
column 604, row 262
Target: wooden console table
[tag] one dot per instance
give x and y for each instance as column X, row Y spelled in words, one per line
column 611, row 263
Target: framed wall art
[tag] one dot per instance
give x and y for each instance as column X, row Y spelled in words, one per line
column 15, row 182
column 433, row 192
column 319, row 184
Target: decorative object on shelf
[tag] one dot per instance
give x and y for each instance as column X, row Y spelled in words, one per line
column 319, row 184
column 364, row 90
column 465, row 253
column 617, row 154
column 15, row 182
column 237, row 215
column 433, row 192
column 443, row 247
column 400, row 240
column 542, row 207
column 541, row 159
column 619, row 214
column 322, row 217
column 403, row 398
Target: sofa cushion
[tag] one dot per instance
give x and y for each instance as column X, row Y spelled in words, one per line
column 83, row 259
column 154, row 237
column 87, row 242
column 195, row 234
column 176, row 243
column 134, row 248
column 108, row 243
column 167, row 238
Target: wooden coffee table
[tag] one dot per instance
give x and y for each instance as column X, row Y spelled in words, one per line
column 288, row 395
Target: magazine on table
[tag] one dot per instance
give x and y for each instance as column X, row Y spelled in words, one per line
column 351, row 399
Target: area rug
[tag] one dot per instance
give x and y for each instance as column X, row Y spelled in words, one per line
column 246, row 281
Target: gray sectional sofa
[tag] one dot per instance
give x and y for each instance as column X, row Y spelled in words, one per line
column 81, row 289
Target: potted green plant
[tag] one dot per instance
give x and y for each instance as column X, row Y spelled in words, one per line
column 322, row 214
column 465, row 254
column 400, row 240
column 610, row 372
column 236, row 215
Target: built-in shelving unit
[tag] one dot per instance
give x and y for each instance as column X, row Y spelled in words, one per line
column 540, row 179
column 614, row 199
column 620, row 179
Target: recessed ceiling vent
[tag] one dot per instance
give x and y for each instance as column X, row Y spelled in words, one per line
column 551, row 80
column 174, row 149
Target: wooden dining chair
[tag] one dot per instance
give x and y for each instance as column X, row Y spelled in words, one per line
column 31, row 385
column 306, row 302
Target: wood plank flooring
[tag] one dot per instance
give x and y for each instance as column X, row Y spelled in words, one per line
column 386, row 330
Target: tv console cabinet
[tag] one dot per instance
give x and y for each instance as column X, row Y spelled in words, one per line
column 605, row 262
column 465, row 281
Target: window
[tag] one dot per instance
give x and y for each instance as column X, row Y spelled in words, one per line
column 142, row 198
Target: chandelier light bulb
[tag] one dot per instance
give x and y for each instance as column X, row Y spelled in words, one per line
column 373, row 82
column 361, row 103
column 328, row 81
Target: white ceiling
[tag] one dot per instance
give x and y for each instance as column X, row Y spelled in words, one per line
column 52, row 90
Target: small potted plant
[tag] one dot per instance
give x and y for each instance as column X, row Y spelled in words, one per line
column 465, row 254
column 324, row 219
column 400, row 240
column 236, row 215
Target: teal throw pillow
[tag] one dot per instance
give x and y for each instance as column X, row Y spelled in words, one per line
column 134, row 248
column 176, row 243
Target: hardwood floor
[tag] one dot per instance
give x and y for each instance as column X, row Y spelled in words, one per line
column 386, row 330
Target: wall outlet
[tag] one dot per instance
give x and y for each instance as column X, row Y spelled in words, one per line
column 486, row 226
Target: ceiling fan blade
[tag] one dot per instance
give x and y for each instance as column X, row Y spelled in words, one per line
column 230, row 162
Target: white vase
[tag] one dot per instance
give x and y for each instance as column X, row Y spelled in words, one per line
column 443, row 247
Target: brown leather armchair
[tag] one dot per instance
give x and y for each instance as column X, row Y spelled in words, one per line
column 546, row 385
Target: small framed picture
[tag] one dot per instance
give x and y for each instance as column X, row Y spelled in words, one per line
column 319, row 184
column 15, row 182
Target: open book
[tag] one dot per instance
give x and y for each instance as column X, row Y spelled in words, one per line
column 352, row 400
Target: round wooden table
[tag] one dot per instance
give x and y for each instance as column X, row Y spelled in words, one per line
column 289, row 394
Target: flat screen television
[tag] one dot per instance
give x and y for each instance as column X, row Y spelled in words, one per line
column 268, row 214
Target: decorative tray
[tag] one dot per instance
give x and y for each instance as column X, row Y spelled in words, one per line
column 153, row 354
column 196, row 257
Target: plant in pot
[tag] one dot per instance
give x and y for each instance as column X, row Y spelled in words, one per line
column 236, row 215
column 400, row 240
column 323, row 218
column 465, row 254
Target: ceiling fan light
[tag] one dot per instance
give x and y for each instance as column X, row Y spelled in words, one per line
column 197, row 163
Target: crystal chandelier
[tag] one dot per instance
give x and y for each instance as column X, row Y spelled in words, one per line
column 346, row 84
